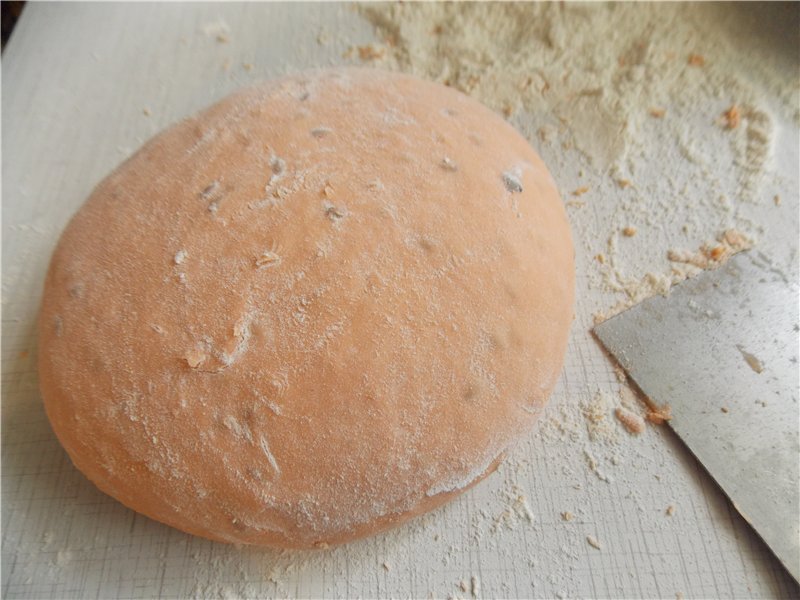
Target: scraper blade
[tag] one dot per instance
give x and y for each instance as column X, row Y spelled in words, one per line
column 722, row 351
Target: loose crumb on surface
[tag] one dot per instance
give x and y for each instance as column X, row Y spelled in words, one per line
column 629, row 231
column 623, row 183
column 567, row 516
column 600, row 258
column 719, row 252
column 696, row 60
column 581, row 191
column 724, row 409
column 752, row 360
column 475, row 586
column 711, row 256
column 370, row 52
column 670, row 510
column 631, row 421
column 593, row 542
column 732, row 117
column 146, row 112
column 777, row 200
column 659, row 415
column 658, row 113
column 386, row 566
column 247, row 66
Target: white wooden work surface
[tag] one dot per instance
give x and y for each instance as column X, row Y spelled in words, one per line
column 77, row 79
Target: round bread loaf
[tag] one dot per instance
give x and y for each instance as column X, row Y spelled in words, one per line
column 319, row 308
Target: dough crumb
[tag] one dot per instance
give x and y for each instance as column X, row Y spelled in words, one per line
column 657, row 113
column 670, row 510
column 752, row 360
column 385, row 566
column 593, row 542
column 632, row 422
column 659, row 415
column 629, row 231
column 180, row 256
column 580, row 191
column 732, row 117
column 567, row 516
column 475, row 586
column 370, row 52
column 724, row 409
column 696, row 60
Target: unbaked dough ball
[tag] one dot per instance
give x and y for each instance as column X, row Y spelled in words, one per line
column 319, row 308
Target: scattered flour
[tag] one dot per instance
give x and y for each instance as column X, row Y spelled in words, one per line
column 578, row 65
column 684, row 264
column 668, row 83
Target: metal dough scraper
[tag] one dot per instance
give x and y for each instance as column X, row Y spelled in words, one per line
column 722, row 351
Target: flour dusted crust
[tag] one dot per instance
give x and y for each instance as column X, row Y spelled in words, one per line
column 319, row 308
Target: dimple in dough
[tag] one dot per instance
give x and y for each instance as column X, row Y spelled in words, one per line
column 322, row 306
